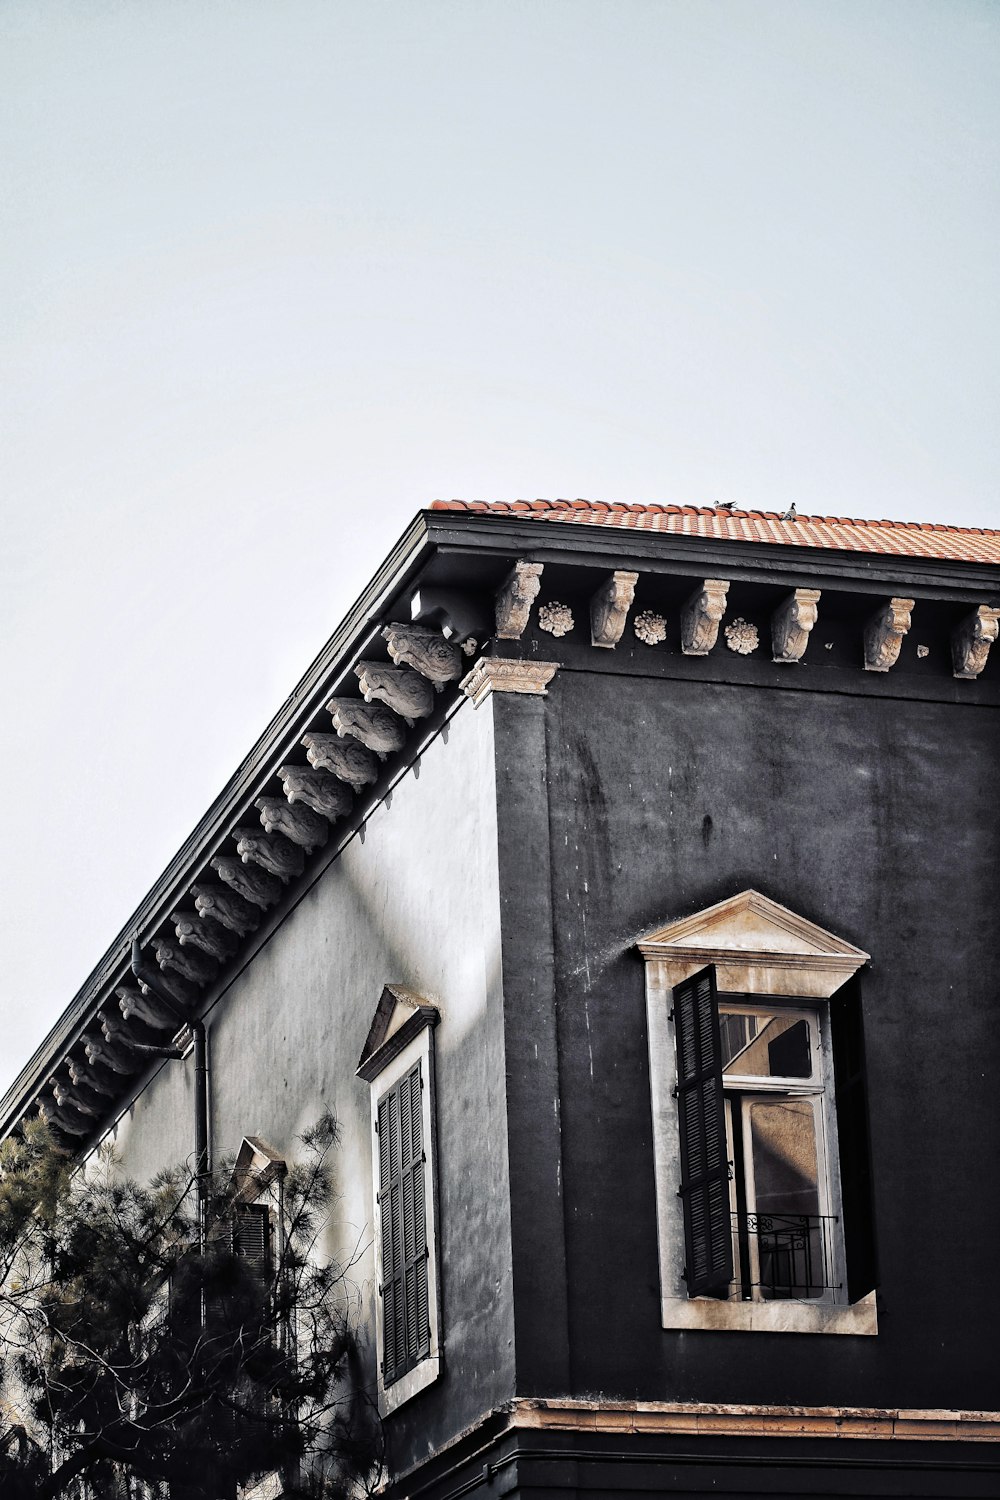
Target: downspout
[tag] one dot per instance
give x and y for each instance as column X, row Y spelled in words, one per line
column 149, row 976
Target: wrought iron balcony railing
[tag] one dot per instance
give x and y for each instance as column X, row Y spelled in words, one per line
column 784, row 1255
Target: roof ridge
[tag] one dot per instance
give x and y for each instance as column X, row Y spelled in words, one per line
column 504, row 507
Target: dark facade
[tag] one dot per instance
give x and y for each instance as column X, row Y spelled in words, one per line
column 602, row 787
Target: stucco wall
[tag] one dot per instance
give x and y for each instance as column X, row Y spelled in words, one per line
column 875, row 817
column 415, row 902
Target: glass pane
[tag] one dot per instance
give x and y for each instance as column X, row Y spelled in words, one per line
column 786, row 1209
column 765, row 1046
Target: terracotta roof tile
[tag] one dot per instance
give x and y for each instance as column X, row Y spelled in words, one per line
column 842, row 533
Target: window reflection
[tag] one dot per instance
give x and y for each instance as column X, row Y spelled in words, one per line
column 765, row 1046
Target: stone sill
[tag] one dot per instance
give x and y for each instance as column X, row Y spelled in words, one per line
column 712, row 1316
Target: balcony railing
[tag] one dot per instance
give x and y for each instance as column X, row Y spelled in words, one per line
column 794, row 1255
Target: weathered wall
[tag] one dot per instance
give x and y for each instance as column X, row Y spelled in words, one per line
column 415, row 903
column 625, row 802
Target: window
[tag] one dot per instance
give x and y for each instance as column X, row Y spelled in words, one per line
column 406, row 1334
column 760, row 1128
column 398, row 1064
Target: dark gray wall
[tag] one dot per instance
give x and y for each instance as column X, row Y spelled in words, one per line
column 625, row 802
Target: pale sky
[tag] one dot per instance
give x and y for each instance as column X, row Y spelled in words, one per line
column 274, row 274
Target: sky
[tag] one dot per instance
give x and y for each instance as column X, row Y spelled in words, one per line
column 274, row 274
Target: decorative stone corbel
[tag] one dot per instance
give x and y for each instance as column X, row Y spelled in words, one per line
column 65, row 1095
column 406, row 692
column 884, row 634
column 226, row 907
column 493, row 674
column 147, row 1008
column 514, row 601
column 69, row 1121
column 791, row 623
column 205, row 934
column 371, row 723
column 300, row 824
column 104, row 1054
column 316, row 789
column 701, row 615
column 95, row 1079
column 116, row 1030
column 971, row 641
column 187, row 962
column 272, row 851
column 252, row 884
column 348, row 760
column 609, row 608
column 425, row 649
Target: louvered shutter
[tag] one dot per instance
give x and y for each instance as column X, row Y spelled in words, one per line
column 252, row 1239
column 852, row 1129
column 402, row 1203
column 704, row 1164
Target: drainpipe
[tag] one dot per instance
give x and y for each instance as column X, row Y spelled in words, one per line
column 150, row 977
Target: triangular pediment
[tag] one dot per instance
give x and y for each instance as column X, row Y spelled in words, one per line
column 256, row 1165
column 400, row 1013
column 751, row 924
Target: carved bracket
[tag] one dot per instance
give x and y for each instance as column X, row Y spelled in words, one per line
column 701, row 615
column 425, row 650
column 971, row 641
column 492, row 674
column 300, row 824
column 406, row 692
column 203, row 933
column 609, row 609
column 69, row 1121
column 272, row 851
column 225, row 907
column 104, row 1053
column 791, row 623
column 187, row 962
column 514, row 601
column 65, row 1095
column 348, row 760
column 116, row 1030
column 371, row 723
column 252, row 884
column 316, row 789
column 884, row 634
column 88, row 1077
column 146, row 1008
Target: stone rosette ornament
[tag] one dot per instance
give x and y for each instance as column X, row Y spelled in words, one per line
column 741, row 636
column 555, row 618
column 650, row 628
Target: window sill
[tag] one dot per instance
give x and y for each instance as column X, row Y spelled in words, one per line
column 860, row 1318
column 410, row 1384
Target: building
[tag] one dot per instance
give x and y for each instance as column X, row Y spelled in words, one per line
column 625, row 878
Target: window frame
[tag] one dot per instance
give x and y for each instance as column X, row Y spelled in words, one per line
column 419, row 1049
column 820, row 1088
column 764, row 954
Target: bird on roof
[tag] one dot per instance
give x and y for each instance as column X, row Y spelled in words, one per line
column 790, row 513
column 725, row 504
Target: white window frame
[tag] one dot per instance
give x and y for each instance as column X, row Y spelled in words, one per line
column 762, row 952
column 419, row 1049
column 819, row 1087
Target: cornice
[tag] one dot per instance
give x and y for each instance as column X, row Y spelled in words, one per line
column 605, row 548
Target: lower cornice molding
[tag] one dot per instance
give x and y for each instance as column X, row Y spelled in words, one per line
column 524, row 1415
column 722, row 1420
column 497, row 674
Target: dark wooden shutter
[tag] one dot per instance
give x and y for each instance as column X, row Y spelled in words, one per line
column 852, row 1129
column 402, row 1202
column 252, row 1239
column 704, row 1188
